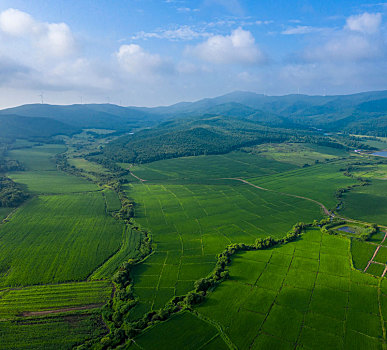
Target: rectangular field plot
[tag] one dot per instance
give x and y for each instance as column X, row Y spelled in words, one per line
column 183, row 331
column 306, row 303
column 376, row 269
column 38, row 158
column 112, row 201
column 57, row 239
column 235, row 164
column 52, row 182
column 362, row 252
column 57, row 332
column 381, row 256
column 367, row 203
column 27, row 300
column 41, row 174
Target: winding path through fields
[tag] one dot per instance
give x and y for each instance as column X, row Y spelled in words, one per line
column 324, row 208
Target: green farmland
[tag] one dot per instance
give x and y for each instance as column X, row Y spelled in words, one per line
column 41, row 174
column 303, row 294
column 61, row 249
column 63, row 233
column 57, row 239
column 368, row 203
column 191, row 223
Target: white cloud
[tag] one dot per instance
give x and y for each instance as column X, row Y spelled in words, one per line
column 16, row 23
column 368, row 23
column 346, row 48
column 137, row 62
column 301, row 30
column 55, row 39
column 359, row 40
column 184, row 33
column 239, row 47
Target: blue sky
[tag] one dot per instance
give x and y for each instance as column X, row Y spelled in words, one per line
column 148, row 52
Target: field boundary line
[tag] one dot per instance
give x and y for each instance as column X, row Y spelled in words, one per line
column 209, row 341
column 380, row 309
column 311, row 295
column 158, row 282
column 226, row 339
column 260, row 330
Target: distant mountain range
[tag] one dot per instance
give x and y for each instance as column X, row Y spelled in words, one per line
column 364, row 113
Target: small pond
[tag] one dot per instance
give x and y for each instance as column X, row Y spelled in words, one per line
column 346, row 229
column 380, row 154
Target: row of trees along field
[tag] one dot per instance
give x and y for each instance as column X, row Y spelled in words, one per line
column 11, row 195
column 116, row 312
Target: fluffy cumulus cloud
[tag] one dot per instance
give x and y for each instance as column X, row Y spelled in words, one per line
column 55, row 39
column 359, row 40
column 38, row 55
column 142, row 64
column 346, row 59
column 237, row 48
column 368, row 23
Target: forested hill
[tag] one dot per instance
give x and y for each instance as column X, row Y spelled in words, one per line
column 208, row 134
column 363, row 113
column 39, row 129
column 105, row 116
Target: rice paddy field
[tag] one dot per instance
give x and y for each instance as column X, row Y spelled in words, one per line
column 41, row 299
column 192, row 221
column 57, row 238
column 304, row 294
column 52, row 333
column 234, row 164
column 318, row 182
column 194, row 333
column 62, row 234
column 59, row 250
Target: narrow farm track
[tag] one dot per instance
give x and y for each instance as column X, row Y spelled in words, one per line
column 138, row 178
column 376, row 252
column 323, row 207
